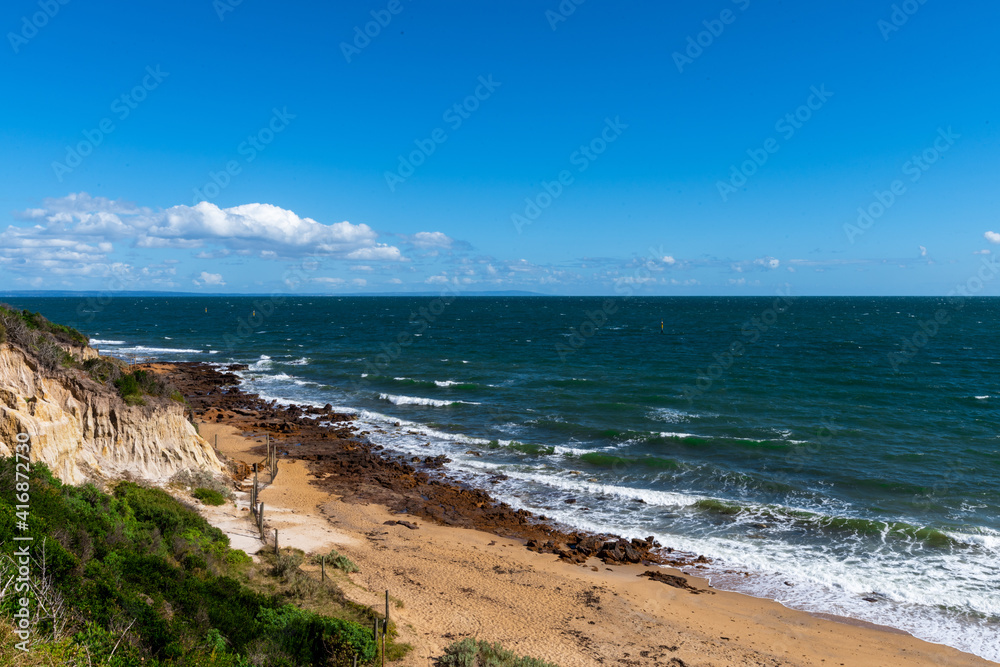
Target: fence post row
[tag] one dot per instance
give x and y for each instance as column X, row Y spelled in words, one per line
column 260, row 520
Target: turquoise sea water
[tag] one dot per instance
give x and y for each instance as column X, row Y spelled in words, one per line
column 836, row 448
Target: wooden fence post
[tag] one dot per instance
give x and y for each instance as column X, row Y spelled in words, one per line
column 260, row 520
column 275, row 541
column 322, row 574
column 385, row 628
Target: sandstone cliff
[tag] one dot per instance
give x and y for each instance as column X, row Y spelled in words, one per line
column 77, row 425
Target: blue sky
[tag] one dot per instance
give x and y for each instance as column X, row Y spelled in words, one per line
column 727, row 147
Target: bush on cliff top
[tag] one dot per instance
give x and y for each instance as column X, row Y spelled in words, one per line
column 139, row 578
column 37, row 322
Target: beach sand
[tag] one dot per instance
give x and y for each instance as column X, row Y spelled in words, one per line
column 457, row 582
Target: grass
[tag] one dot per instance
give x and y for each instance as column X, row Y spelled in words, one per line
column 209, row 496
column 470, row 652
column 337, row 560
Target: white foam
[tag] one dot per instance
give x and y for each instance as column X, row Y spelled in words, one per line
column 418, row 400
column 144, row 349
column 261, row 364
column 982, row 398
column 95, row 341
column 669, row 415
column 446, row 383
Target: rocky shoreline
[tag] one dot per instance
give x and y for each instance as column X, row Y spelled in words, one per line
column 345, row 463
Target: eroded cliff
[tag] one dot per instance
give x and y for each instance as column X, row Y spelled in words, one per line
column 78, row 426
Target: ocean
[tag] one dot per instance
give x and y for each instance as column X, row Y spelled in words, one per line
column 844, row 452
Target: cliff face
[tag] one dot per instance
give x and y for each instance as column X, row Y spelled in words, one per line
column 75, row 423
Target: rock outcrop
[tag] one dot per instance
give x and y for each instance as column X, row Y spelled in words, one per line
column 78, row 426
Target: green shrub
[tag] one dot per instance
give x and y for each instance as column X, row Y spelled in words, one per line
column 472, row 653
column 142, row 560
column 337, row 560
column 139, row 383
column 196, row 477
column 38, row 322
column 208, row 496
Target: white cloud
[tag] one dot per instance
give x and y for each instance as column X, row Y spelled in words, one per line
column 669, row 260
column 923, row 251
column 376, row 253
column 992, row 237
column 431, row 240
column 984, row 251
column 437, row 280
column 767, row 262
column 359, row 282
column 737, row 281
column 206, row 278
column 396, row 281
column 247, row 229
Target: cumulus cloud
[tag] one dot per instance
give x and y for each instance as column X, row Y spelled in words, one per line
column 767, row 262
column 431, row 240
column 669, row 260
column 209, row 279
column 923, row 251
column 78, row 230
column 992, row 237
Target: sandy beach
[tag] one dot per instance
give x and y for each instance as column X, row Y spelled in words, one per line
column 456, row 582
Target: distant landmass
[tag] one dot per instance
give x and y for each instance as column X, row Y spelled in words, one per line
column 137, row 293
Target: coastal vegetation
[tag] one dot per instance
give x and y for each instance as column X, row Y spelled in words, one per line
column 44, row 340
column 16, row 325
column 476, row 653
column 136, row 577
